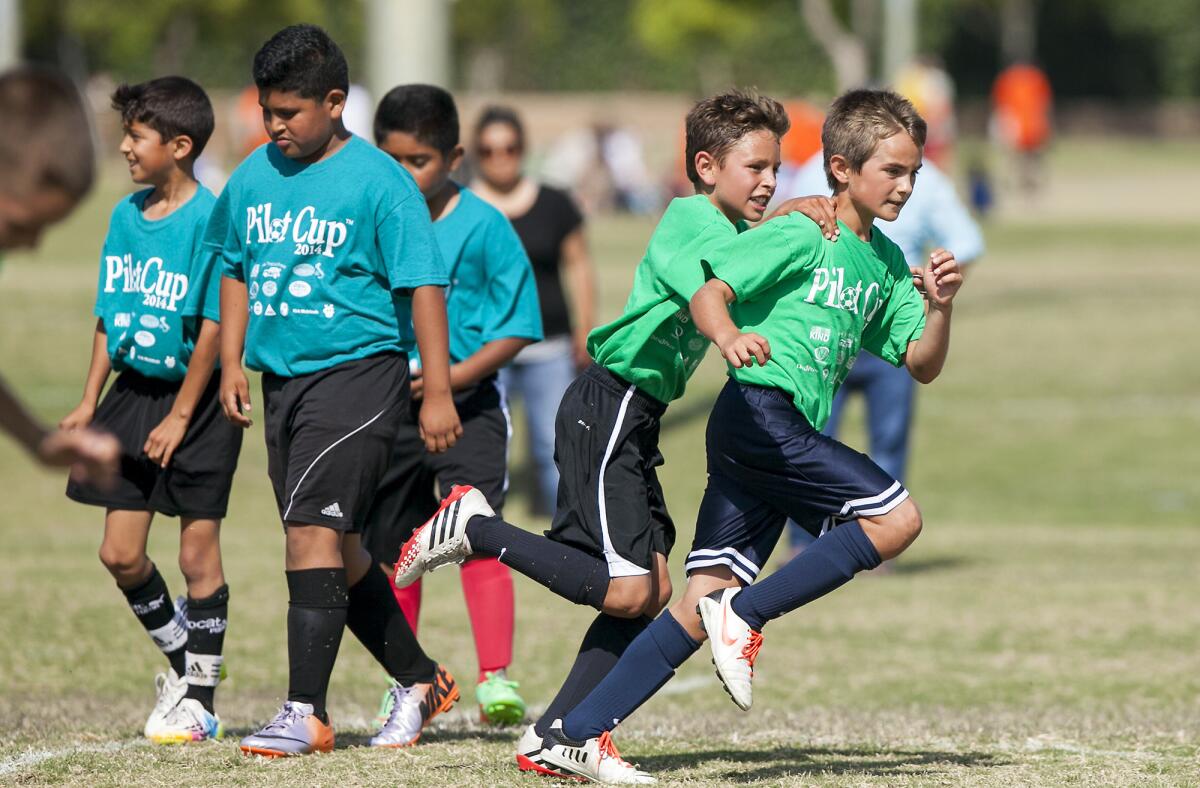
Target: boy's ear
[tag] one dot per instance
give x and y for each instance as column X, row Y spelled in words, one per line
column 839, row 165
column 706, row 167
column 335, row 102
column 181, row 147
column 454, row 159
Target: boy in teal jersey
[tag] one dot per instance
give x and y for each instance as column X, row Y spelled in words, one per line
column 330, row 270
column 611, row 534
column 46, row 167
column 803, row 309
column 157, row 326
column 492, row 306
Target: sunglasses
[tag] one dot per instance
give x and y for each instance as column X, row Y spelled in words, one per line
column 507, row 150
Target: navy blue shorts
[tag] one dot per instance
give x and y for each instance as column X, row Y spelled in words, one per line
column 766, row 463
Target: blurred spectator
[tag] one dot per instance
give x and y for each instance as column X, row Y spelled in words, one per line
column 551, row 229
column 605, row 167
column 931, row 90
column 1021, row 121
column 933, row 217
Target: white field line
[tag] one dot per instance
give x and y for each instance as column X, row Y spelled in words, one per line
column 690, row 684
column 33, row 757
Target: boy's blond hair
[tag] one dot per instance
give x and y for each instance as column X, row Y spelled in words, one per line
column 45, row 134
column 860, row 119
column 718, row 122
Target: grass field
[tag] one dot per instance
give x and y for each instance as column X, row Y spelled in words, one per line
column 1043, row 631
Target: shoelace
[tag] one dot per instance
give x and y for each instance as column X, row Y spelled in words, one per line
column 492, row 678
column 609, row 750
column 288, row 715
column 161, row 701
column 750, row 650
column 400, row 695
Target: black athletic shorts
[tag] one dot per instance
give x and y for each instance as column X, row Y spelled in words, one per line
column 416, row 481
column 606, row 447
column 766, row 463
column 329, row 438
column 197, row 481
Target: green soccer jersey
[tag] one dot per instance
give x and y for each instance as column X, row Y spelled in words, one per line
column 817, row 303
column 654, row 343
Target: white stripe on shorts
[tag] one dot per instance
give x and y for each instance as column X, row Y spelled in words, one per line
column 617, row 565
column 329, row 448
column 876, row 504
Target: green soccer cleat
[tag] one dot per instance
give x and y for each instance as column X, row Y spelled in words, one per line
column 499, row 703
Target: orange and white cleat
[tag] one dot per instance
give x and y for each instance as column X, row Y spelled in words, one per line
column 734, row 644
column 294, row 731
column 413, row 707
column 593, row 760
column 443, row 538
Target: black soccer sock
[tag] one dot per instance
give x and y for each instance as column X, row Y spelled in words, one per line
column 571, row 573
column 825, row 565
column 377, row 621
column 317, row 602
column 207, row 619
column 151, row 603
column 601, row 649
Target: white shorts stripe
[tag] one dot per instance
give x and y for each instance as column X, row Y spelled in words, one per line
column 885, row 508
column 723, row 560
column 507, row 429
column 327, row 449
column 726, row 551
column 618, row 566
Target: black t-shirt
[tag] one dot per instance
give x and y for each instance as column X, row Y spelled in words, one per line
column 542, row 229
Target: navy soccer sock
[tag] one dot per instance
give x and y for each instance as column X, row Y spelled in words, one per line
column 601, row 649
column 573, row 574
column 647, row 664
column 826, row 564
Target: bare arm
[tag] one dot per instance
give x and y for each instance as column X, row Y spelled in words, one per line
column 581, row 279
column 92, row 455
column 710, row 311
column 942, row 280
column 440, row 427
column 164, row 439
column 235, row 389
column 97, row 376
column 477, row 366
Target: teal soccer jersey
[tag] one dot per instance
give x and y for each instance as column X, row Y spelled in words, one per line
column 492, row 294
column 328, row 252
column 155, row 285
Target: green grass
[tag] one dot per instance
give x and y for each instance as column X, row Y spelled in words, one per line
column 1043, row 631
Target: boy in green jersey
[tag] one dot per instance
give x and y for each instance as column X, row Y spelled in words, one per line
column 801, row 310
column 611, row 533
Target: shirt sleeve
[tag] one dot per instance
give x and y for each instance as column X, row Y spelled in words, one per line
column 901, row 318
column 408, row 247
column 110, row 261
column 222, row 241
column 204, row 291
column 951, row 226
column 566, row 213
column 757, row 260
column 512, row 308
column 684, row 273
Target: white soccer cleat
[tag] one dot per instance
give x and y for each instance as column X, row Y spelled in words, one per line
column 188, row 722
column 734, row 645
column 595, row 759
column 443, row 538
column 170, row 689
column 529, row 755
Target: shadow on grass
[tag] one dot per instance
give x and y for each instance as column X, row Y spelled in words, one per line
column 769, row 765
column 443, row 736
column 918, row 566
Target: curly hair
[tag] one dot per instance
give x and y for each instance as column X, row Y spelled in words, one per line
column 717, row 123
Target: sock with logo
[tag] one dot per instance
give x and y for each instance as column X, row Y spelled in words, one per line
column 207, row 619
column 376, row 620
column 317, row 602
column 409, row 599
column 826, row 564
column 648, row 663
column 571, row 573
column 487, row 585
column 152, row 605
column 602, row 646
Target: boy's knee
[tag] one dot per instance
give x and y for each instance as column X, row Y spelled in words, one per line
column 629, row 599
column 910, row 523
column 126, row 566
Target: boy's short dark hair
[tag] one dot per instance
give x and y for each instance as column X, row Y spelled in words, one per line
column 505, row 115
column 301, row 59
column 172, row 106
column 45, row 134
column 718, row 122
column 860, row 119
column 425, row 111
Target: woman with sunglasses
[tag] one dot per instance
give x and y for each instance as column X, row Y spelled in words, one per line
column 550, row 227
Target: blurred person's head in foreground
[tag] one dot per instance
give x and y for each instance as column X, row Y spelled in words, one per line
column 417, row 125
column 167, row 122
column 732, row 151
column 872, row 142
column 302, row 80
column 499, row 147
column 47, row 160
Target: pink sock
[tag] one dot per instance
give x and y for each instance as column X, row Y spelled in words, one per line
column 487, row 585
column 410, row 603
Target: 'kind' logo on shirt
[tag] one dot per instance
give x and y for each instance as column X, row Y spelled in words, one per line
column 310, row 234
column 160, row 289
column 854, row 299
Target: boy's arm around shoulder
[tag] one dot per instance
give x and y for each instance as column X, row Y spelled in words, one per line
column 942, row 279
